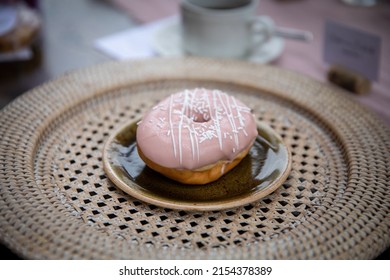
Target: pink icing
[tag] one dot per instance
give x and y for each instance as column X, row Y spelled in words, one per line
column 194, row 128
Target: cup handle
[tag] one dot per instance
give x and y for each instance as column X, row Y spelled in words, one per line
column 262, row 30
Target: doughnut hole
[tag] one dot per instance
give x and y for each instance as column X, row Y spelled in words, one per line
column 199, row 117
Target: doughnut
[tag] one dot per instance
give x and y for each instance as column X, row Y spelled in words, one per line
column 196, row 136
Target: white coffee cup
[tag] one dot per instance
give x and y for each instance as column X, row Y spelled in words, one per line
column 223, row 28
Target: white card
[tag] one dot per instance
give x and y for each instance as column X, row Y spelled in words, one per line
column 354, row 49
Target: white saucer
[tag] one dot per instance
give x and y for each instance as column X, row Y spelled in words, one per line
column 167, row 42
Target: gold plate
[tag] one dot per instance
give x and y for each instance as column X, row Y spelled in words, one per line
column 262, row 171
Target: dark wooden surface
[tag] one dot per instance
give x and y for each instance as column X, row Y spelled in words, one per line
column 69, row 29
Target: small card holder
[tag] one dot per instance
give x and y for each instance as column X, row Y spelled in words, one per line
column 348, row 79
column 353, row 55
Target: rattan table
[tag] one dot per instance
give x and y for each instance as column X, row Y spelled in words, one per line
column 56, row 201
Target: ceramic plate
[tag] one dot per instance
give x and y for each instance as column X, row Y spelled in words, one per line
column 263, row 170
column 167, row 42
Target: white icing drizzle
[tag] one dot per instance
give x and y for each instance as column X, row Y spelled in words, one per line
column 228, row 112
column 183, row 113
column 171, row 125
column 193, row 134
column 197, row 146
column 239, row 115
column 216, row 121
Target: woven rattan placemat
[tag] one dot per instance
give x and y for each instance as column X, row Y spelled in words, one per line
column 57, row 203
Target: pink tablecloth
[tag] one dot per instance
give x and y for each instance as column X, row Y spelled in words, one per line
column 309, row 15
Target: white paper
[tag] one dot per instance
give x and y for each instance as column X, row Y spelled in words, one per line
column 134, row 43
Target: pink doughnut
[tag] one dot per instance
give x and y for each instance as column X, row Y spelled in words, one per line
column 197, row 134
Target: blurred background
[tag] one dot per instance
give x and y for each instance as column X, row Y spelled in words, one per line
column 68, row 31
column 64, row 42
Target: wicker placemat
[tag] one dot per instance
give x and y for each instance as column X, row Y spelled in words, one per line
column 57, row 203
